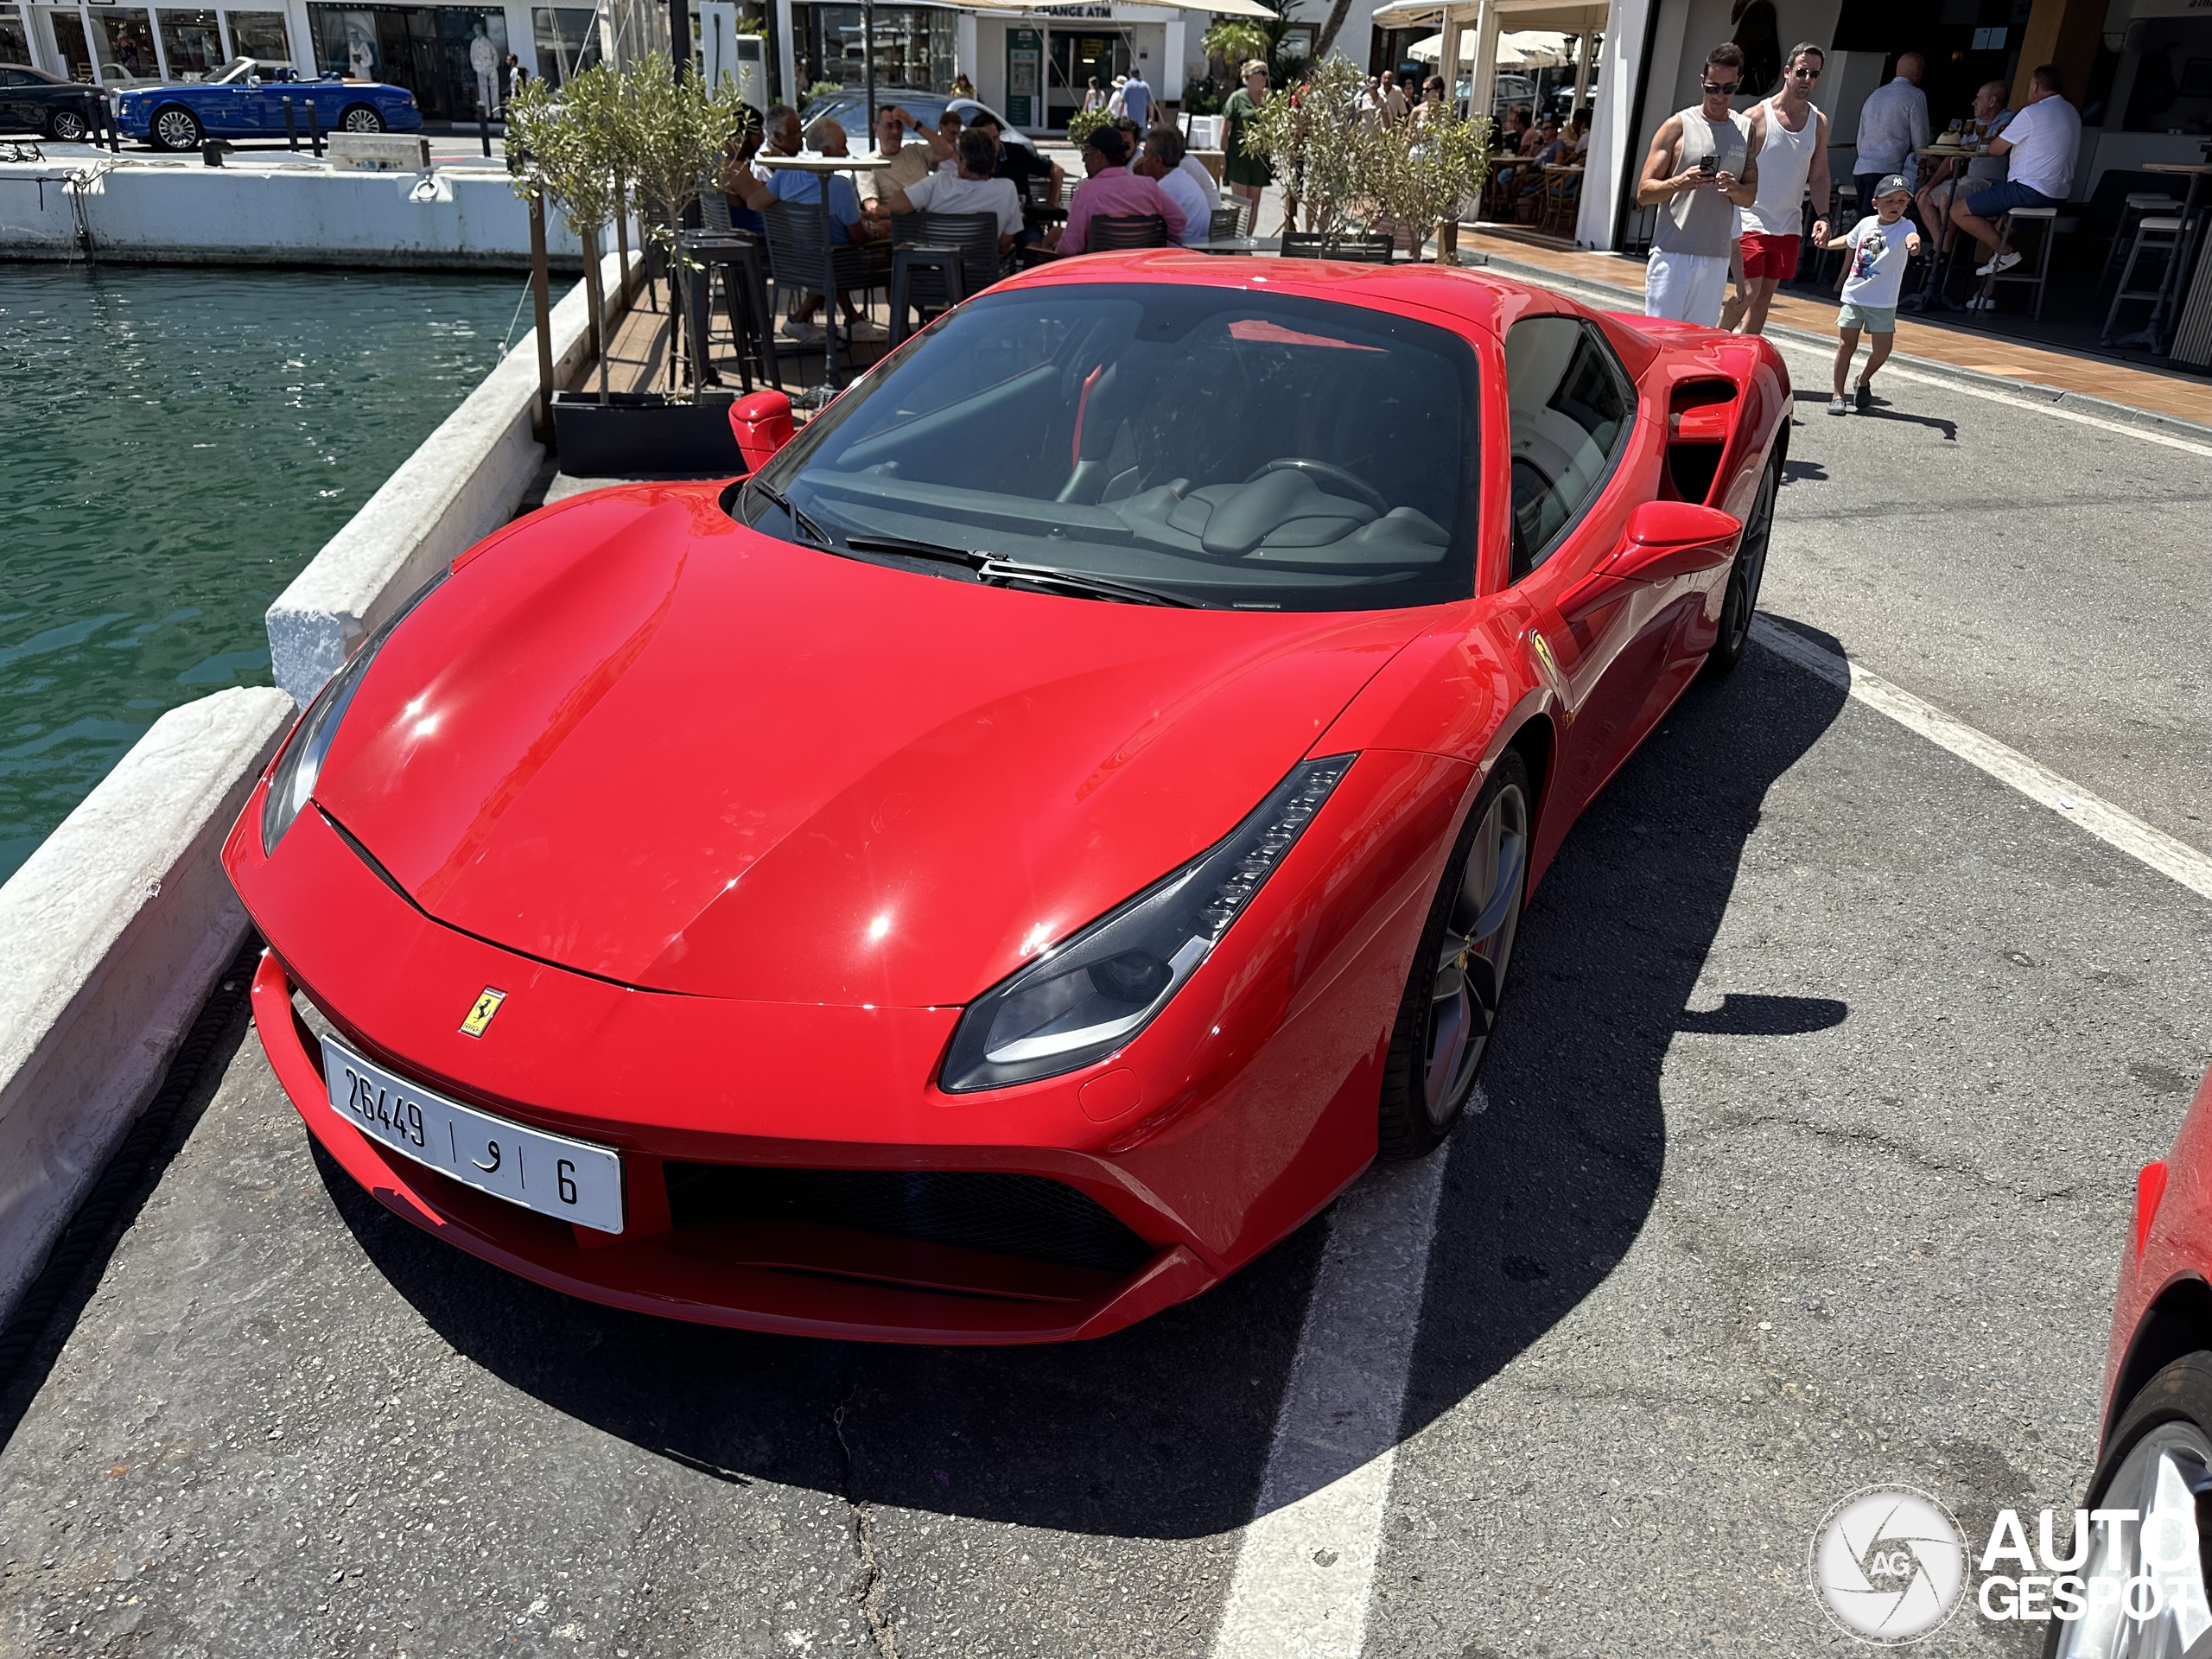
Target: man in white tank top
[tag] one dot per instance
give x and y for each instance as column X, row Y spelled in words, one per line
column 1790, row 137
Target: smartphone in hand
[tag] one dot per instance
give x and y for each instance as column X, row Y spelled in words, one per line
column 1708, row 165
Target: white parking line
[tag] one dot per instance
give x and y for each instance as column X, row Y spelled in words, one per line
column 2108, row 823
column 1306, row 1564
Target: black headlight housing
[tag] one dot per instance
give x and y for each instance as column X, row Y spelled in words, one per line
column 1090, row 995
column 292, row 780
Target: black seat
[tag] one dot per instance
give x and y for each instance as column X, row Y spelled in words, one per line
column 737, row 257
column 1226, row 221
column 1364, row 250
column 1111, row 231
column 938, row 260
column 800, row 261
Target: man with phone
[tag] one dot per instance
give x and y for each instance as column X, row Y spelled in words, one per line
column 1703, row 166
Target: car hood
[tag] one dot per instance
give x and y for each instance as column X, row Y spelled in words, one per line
column 635, row 739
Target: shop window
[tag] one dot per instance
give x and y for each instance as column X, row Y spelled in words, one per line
column 119, row 51
column 15, row 45
column 260, row 35
column 193, row 44
column 913, row 47
column 568, row 40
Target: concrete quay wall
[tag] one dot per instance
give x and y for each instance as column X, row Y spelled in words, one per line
column 278, row 212
column 116, row 926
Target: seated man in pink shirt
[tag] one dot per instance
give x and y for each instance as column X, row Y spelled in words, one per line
column 1112, row 191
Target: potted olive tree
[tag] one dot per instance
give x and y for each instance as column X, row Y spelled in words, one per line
column 644, row 125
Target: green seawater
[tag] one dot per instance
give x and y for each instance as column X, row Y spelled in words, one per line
column 174, row 445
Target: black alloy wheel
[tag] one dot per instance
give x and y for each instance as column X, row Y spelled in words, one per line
column 1744, row 576
column 175, row 127
column 68, row 126
column 359, row 117
column 1450, row 1007
column 2157, row 1467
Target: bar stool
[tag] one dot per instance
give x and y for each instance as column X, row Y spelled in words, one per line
column 2036, row 277
column 2152, row 235
column 736, row 256
column 940, row 285
column 2142, row 204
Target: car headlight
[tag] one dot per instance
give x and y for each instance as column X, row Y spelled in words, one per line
column 292, row 783
column 1088, row 995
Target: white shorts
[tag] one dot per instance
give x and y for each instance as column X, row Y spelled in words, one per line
column 1687, row 287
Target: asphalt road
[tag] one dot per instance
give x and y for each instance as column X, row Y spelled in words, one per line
column 1807, row 1161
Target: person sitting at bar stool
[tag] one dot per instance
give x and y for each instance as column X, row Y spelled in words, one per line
column 1974, row 174
column 2039, row 147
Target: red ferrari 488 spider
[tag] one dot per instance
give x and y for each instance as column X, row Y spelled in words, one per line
column 1001, row 867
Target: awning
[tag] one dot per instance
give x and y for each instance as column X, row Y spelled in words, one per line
column 1523, row 15
column 1520, row 48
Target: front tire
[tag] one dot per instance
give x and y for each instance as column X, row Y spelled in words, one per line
column 1450, row 1007
column 175, row 127
column 359, row 117
column 2158, row 1459
column 1744, row 576
column 69, row 127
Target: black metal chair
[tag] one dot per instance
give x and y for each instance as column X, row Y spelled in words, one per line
column 800, row 261
column 1372, row 249
column 736, row 258
column 938, row 260
column 1226, row 222
column 1111, row 233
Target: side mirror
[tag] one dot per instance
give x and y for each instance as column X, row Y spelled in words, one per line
column 1673, row 538
column 762, row 424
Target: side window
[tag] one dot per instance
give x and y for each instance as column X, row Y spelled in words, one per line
column 1569, row 404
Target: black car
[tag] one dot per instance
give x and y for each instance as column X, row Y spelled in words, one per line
column 31, row 100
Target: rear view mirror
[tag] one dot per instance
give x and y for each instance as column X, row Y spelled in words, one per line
column 762, row 424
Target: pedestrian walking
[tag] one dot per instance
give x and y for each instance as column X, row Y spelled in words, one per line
column 1881, row 246
column 1248, row 175
column 1789, row 136
column 1701, row 168
column 1134, row 99
column 1093, row 100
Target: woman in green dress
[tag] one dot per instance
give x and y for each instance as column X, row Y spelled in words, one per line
column 1246, row 174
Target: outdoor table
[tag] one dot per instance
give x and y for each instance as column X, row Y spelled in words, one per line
column 2171, row 284
column 1930, row 296
column 822, row 166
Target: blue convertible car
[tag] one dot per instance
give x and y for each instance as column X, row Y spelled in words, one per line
column 245, row 100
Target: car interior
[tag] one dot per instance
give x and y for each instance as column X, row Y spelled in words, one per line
column 1115, row 433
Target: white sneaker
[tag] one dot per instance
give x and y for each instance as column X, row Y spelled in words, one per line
column 865, row 330
column 2003, row 262
column 806, row 334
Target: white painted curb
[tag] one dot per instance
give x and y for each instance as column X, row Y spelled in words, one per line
column 115, row 930
column 462, row 483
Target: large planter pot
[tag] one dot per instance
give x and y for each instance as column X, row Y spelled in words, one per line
column 641, row 433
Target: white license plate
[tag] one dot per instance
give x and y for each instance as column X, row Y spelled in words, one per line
column 549, row 1174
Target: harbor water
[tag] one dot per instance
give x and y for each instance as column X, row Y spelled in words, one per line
column 177, row 444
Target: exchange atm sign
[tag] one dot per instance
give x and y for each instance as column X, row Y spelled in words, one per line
column 1025, row 79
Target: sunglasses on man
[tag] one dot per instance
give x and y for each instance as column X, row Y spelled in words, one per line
column 1714, row 88
column 1802, row 73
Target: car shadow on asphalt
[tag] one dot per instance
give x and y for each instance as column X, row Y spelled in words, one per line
column 1163, row 1431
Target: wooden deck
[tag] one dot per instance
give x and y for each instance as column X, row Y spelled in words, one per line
column 637, row 354
column 2185, row 396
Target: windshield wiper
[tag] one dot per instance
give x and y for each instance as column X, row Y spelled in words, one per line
column 797, row 515
column 1001, row 572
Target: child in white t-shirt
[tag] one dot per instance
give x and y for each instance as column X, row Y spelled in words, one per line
column 1880, row 247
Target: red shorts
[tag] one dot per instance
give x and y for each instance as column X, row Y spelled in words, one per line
column 1770, row 256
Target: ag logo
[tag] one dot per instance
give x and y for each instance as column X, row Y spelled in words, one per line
column 481, row 1015
column 1889, row 1564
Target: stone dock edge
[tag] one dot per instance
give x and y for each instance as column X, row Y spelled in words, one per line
column 119, row 923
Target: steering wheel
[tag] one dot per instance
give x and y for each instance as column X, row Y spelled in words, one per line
column 1320, row 469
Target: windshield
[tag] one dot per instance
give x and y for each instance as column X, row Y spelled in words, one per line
column 1224, row 447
